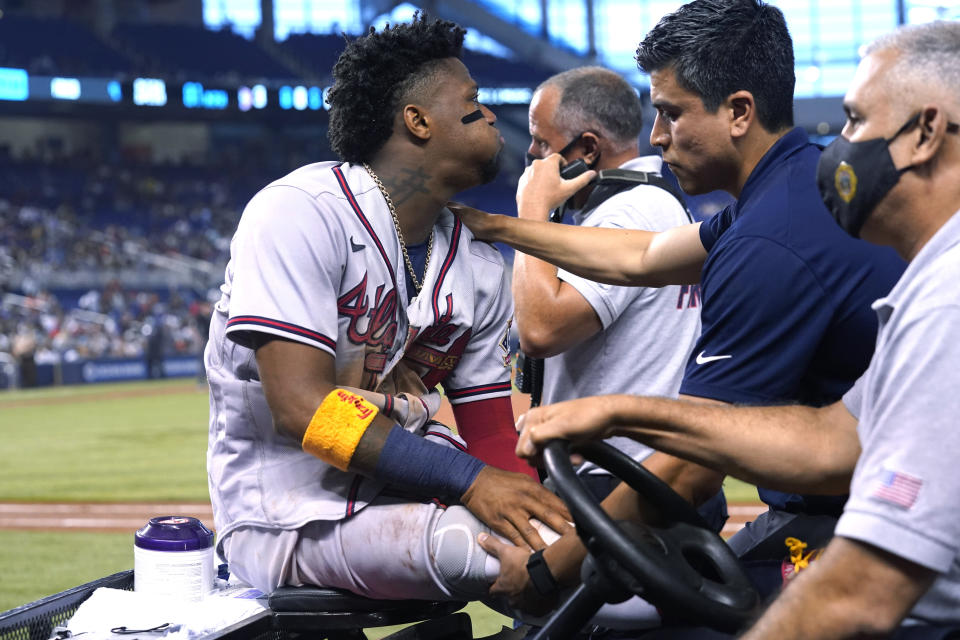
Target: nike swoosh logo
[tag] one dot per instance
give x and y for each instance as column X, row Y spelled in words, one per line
column 355, row 246
column 702, row 359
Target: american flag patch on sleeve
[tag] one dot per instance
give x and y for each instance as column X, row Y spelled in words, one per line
column 897, row 488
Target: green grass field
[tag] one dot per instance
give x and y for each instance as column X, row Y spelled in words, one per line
column 113, row 443
column 105, row 443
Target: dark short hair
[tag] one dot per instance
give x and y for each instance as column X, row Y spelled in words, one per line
column 718, row 47
column 376, row 73
column 597, row 99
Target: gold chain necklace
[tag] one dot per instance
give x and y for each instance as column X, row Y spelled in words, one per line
column 396, row 223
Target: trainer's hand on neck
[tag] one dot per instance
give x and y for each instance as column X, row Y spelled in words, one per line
column 479, row 222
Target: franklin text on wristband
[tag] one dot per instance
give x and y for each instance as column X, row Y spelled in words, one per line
column 337, row 426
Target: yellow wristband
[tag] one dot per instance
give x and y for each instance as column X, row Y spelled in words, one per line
column 336, row 428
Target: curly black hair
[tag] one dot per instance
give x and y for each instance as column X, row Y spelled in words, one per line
column 375, row 73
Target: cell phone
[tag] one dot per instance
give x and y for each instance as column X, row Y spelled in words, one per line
column 573, row 169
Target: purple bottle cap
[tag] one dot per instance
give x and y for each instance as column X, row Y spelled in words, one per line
column 174, row 533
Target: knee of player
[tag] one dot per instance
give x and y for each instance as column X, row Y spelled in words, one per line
column 461, row 565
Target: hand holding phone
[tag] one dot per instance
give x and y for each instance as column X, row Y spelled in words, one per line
column 544, row 185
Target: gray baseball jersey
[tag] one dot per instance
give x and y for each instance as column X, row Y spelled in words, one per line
column 316, row 259
column 904, row 490
column 648, row 332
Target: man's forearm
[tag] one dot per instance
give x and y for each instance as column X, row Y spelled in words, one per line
column 793, row 448
column 613, row 256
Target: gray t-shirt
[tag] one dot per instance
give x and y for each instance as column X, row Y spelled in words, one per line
column 648, row 333
column 905, row 489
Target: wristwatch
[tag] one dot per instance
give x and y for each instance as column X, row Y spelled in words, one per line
column 543, row 581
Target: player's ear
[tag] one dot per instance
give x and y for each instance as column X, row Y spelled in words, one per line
column 416, row 122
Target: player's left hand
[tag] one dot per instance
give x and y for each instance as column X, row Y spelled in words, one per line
column 506, row 501
column 513, row 582
column 575, row 420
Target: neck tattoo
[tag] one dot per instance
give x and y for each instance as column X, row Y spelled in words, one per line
column 396, row 223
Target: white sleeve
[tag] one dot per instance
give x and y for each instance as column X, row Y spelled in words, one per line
column 645, row 207
column 608, row 301
column 287, row 258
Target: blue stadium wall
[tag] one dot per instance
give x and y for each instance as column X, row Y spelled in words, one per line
column 113, row 370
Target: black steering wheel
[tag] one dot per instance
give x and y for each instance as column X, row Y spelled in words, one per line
column 683, row 568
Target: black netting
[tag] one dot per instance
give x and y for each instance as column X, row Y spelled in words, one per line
column 37, row 620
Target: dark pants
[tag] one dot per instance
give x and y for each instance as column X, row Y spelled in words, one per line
column 761, row 548
column 28, row 371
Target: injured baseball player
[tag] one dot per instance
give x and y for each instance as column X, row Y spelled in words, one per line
column 352, row 292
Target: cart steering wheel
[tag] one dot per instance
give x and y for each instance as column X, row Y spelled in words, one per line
column 684, row 569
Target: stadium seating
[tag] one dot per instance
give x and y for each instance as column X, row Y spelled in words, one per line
column 320, row 52
column 315, row 52
column 51, row 46
column 491, row 71
column 173, row 50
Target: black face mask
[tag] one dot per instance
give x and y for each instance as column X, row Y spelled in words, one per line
column 854, row 177
column 529, row 157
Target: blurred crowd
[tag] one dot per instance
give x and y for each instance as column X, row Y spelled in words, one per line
column 88, row 218
column 108, row 323
column 103, row 259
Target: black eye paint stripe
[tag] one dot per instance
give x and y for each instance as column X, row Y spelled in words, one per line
column 471, row 117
